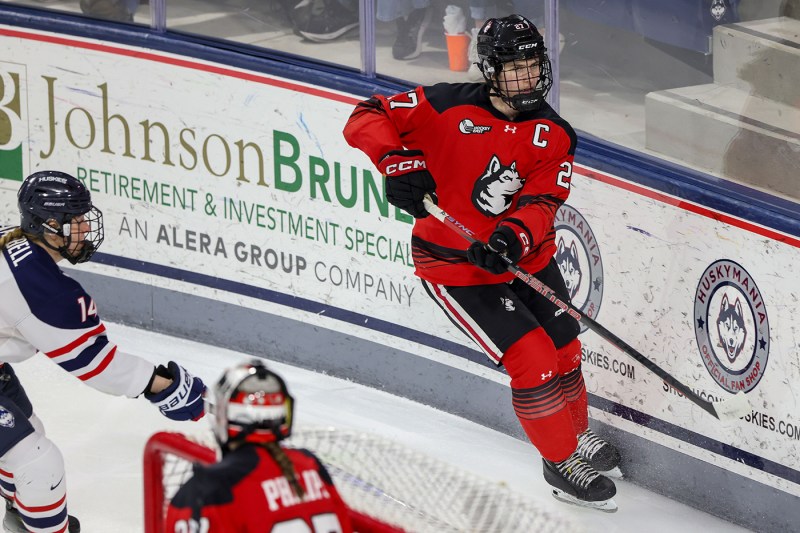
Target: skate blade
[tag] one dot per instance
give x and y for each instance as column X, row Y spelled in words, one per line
column 607, row 506
column 614, row 473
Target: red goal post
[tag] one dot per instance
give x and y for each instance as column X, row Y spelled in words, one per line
column 390, row 488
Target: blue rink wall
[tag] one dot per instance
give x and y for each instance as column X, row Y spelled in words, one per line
column 654, row 445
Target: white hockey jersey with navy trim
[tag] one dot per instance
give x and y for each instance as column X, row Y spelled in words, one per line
column 43, row 309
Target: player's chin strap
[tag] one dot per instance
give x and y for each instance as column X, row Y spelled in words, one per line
column 726, row 410
column 87, row 250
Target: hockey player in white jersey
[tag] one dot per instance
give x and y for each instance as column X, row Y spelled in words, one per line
column 43, row 309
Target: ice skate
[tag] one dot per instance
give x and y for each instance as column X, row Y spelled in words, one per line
column 603, row 456
column 575, row 481
column 12, row 521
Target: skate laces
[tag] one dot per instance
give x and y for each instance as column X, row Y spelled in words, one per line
column 589, row 444
column 577, row 471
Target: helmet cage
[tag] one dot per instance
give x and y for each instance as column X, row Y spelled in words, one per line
column 49, row 203
column 514, row 39
column 251, row 404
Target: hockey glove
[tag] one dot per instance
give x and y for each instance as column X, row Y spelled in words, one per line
column 183, row 399
column 407, row 181
column 505, row 241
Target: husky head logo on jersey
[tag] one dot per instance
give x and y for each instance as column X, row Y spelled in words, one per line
column 495, row 189
column 6, row 418
column 567, row 261
column 731, row 328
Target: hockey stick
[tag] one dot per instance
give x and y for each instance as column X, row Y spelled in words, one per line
column 729, row 409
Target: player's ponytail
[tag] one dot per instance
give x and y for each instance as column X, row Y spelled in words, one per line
column 12, row 235
column 279, row 456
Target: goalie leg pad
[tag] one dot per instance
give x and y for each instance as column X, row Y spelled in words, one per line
column 41, row 490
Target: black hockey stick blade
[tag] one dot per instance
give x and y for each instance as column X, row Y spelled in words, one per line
column 726, row 410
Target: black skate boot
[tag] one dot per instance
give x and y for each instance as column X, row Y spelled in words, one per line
column 575, row 481
column 12, row 521
column 603, row 456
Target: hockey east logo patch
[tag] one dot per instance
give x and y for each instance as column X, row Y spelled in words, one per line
column 13, row 129
column 731, row 326
column 579, row 260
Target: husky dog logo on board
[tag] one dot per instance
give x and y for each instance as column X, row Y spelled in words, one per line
column 731, row 326
column 494, row 192
column 718, row 9
column 567, row 261
column 578, row 258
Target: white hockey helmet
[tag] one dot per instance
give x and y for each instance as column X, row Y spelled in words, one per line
column 250, row 404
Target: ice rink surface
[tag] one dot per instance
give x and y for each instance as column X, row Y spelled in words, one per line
column 102, row 438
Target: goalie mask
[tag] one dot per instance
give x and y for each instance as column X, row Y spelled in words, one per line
column 514, row 62
column 55, row 203
column 251, row 404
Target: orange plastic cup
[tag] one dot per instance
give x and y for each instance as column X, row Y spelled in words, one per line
column 457, row 51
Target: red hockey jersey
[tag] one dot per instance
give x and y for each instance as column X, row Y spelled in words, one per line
column 487, row 169
column 246, row 492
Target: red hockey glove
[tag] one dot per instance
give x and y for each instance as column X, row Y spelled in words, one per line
column 407, row 181
column 508, row 240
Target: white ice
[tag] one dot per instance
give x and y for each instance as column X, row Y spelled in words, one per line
column 102, row 438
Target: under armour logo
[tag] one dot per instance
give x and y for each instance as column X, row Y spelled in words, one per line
column 559, row 312
column 507, row 303
column 548, row 375
column 512, row 129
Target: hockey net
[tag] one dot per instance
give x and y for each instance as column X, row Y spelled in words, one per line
column 388, row 486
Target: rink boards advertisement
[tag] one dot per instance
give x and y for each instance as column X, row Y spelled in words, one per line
column 237, row 177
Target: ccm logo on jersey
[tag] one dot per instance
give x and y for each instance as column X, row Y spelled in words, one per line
column 404, row 166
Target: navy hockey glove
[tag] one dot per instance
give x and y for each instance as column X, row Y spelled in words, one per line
column 510, row 241
column 183, row 399
column 407, row 181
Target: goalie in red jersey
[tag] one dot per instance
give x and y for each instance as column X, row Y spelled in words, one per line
column 499, row 159
column 258, row 485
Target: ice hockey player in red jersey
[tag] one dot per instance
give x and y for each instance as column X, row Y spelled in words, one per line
column 498, row 158
column 42, row 309
column 258, row 485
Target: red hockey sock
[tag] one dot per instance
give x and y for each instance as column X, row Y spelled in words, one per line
column 569, row 365
column 537, row 395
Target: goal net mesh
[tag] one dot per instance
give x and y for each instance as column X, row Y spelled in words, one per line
column 378, row 478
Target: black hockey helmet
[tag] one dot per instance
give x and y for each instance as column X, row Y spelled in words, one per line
column 49, row 201
column 250, row 403
column 511, row 39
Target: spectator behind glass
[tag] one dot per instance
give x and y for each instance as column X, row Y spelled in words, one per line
column 119, row 10
column 412, row 18
column 327, row 20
